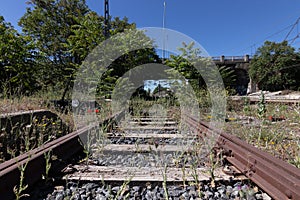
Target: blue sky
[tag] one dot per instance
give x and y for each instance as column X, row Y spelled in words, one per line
column 222, row 27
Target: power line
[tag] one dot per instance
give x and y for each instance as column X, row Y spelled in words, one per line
column 291, row 26
column 270, row 36
column 294, row 25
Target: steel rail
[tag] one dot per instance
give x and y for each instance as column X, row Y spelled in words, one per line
column 276, row 177
column 8, row 120
column 63, row 148
column 267, row 99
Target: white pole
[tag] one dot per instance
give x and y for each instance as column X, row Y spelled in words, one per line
column 164, row 21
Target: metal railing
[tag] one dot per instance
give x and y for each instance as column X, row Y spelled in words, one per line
column 245, row 58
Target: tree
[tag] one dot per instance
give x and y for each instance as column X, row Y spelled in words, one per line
column 65, row 32
column 185, row 62
column 274, row 66
column 49, row 23
column 128, row 61
column 16, row 64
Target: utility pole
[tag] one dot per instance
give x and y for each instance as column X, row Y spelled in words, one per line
column 106, row 19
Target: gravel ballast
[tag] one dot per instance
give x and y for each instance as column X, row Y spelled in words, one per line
column 150, row 191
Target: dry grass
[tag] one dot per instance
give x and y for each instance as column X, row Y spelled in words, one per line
column 21, row 104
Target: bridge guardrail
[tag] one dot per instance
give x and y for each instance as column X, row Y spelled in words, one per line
column 223, row 58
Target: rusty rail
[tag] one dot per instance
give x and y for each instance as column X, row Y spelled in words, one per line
column 276, row 177
column 8, row 120
column 267, row 99
column 63, row 148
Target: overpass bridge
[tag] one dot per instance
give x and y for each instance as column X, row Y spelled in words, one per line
column 231, row 59
column 240, row 65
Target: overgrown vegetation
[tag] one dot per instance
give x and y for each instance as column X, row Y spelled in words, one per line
column 271, row 127
column 18, row 138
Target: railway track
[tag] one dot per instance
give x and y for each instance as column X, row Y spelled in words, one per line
column 63, row 148
column 143, row 148
column 152, row 152
column 253, row 100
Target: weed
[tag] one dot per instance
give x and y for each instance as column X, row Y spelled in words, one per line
column 20, row 137
column 47, row 157
column 295, row 161
column 246, row 106
column 183, row 172
column 165, row 181
column 122, row 190
column 18, row 190
column 196, row 178
column 295, row 157
column 261, row 111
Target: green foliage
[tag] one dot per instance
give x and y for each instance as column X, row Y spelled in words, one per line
column 49, row 24
column 16, row 53
column 246, row 106
column 112, row 73
column 57, row 37
column 274, row 67
column 185, row 65
column 227, row 75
